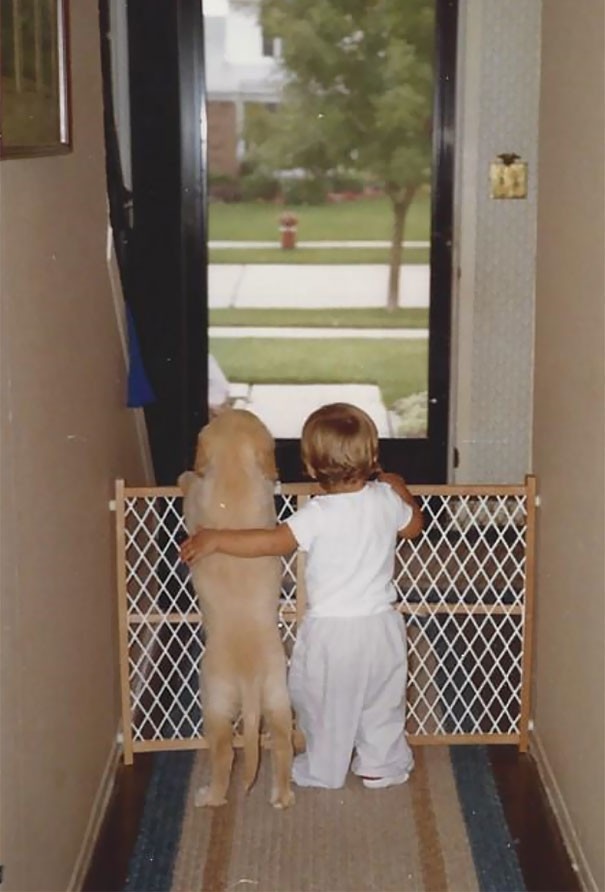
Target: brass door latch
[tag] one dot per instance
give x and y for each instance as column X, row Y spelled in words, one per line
column 508, row 176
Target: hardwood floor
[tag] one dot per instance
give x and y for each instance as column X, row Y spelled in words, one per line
column 542, row 855
column 109, row 865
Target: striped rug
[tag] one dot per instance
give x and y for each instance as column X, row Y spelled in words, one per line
column 443, row 830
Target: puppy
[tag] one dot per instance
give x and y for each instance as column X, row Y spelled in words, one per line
column 244, row 666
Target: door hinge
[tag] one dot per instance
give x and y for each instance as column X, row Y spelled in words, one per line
column 456, row 461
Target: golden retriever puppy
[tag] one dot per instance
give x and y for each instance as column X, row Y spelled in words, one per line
column 244, row 666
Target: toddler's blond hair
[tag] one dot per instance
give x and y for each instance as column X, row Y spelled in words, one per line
column 339, row 445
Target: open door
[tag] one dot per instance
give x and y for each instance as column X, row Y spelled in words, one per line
column 158, row 217
column 330, row 160
column 173, row 108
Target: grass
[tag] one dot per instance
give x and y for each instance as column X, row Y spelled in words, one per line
column 398, row 367
column 368, row 218
column 314, row 255
column 412, row 317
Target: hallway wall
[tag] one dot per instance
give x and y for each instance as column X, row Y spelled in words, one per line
column 569, row 425
column 65, row 435
column 494, row 242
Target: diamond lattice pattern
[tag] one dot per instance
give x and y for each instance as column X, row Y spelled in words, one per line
column 460, row 586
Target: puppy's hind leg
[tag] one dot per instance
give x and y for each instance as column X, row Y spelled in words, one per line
column 218, row 730
column 298, row 740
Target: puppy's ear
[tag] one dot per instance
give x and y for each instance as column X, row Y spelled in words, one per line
column 266, row 459
column 202, row 457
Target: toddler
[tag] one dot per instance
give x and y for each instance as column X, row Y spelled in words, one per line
column 348, row 670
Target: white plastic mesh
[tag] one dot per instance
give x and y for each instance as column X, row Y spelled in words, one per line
column 461, row 587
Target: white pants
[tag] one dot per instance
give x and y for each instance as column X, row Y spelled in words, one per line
column 347, row 682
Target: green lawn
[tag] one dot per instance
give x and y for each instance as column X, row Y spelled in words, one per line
column 369, row 218
column 314, row 255
column 412, row 317
column 398, row 367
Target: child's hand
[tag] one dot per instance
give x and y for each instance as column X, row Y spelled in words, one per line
column 200, row 544
column 398, row 484
column 392, row 479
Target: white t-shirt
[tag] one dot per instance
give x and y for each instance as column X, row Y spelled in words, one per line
column 350, row 543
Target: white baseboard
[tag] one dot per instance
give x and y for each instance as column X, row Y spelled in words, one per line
column 97, row 813
column 557, row 803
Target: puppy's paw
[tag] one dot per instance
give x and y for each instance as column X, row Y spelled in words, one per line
column 185, row 480
column 204, row 798
column 283, row 799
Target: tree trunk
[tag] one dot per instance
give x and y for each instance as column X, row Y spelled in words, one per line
column 400, row 203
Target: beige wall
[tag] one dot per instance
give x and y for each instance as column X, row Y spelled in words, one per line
column 65, row 435
column 569, row 424
column 494, row 242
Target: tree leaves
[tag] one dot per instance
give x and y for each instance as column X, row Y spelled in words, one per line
column 358, row 90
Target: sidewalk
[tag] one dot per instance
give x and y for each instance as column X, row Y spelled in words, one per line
column 300, row 285
column 284, row 407
column 236, row 331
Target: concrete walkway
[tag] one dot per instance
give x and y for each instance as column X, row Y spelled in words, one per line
column 284, row 407
column 235, row 331
column 314, row 286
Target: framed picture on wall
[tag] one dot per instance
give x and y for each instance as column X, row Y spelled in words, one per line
column 34, row 89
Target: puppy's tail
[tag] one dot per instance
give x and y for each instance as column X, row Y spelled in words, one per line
column 251, row 717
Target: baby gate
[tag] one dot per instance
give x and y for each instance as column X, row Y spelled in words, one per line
column 465, row 587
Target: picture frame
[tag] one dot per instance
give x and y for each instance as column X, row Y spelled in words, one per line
column 35, row 113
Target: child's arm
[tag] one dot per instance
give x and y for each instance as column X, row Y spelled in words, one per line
column 416, row 523
column 239, row 543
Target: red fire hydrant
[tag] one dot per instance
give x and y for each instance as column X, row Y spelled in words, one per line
column 288, row 224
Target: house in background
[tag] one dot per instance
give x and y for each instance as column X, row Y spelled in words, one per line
column 241, row 69
column 528, row 382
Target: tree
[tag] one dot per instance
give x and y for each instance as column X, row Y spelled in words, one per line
column 358, row 96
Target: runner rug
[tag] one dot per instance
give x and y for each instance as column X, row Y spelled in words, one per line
column 443, row 830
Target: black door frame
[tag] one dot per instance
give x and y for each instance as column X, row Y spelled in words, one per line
column 168, row 291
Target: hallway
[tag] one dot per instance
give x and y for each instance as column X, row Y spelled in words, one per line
column 529, row 279
column 542, row 856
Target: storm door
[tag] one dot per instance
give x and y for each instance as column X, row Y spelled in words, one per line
column 329, row 180
column 292, row 217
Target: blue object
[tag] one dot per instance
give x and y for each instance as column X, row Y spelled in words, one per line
column 140, row 391
column 493, row 848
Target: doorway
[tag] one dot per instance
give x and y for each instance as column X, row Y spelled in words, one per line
column 329, row 211
column 177, row 250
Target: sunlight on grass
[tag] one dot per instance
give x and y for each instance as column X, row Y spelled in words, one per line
column 365, row 317
column 309, row 256
column 398, row 367
column 369, row 218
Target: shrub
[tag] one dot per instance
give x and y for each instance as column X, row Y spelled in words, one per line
column 222, row 187
column 411, row 415
column 305, row 191
column 259, row 185
column 346, row 182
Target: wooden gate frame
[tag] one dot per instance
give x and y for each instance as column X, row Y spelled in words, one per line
column 134, row 670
